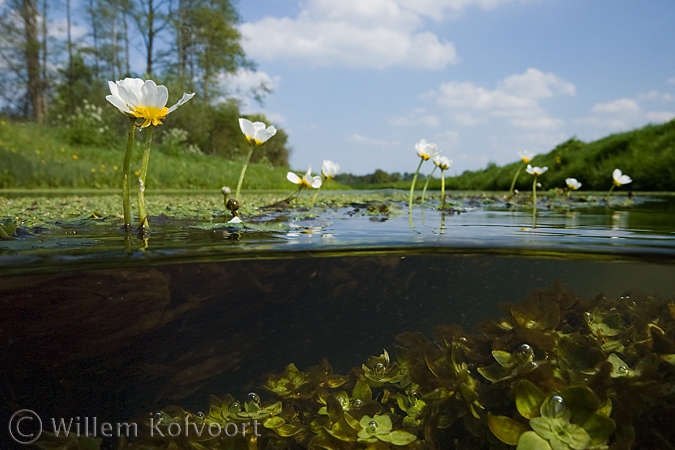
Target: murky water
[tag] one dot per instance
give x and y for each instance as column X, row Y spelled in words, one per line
column 95, row 330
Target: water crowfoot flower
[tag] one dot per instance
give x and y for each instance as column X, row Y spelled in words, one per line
column 444, row 164
column 425, row 150
column 536, row 172
column 139, row 99
column 619, row 180
column 328, row 170
column 256, row 134
column 307, row 181
column 526, row 157
column 572, row 185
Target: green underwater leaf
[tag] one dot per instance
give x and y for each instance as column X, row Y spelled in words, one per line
column 531, row 441
column 529, row 399
column 506, row 429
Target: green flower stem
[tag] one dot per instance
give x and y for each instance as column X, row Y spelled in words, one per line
column 243, row 171
column 296, row 194
column 442, row 188
column 311, row 205
column 424, row 191
column 126, row 179
column 142, row 214
column 513, row 183
column 534, row 193
column 412, row 186
column 610, row 191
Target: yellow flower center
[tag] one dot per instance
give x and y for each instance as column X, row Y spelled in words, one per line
column 151, row 114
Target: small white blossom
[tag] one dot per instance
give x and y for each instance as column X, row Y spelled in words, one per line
column 535, row 171
column 255, row 132
column 426, row 150
column 329, row 169
column 620, row 179
column 442, row 162
column 572, row 183
column 307, row 181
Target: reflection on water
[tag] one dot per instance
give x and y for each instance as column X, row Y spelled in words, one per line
column 120, row 342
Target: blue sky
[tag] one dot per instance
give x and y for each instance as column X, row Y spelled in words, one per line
column 361, row 81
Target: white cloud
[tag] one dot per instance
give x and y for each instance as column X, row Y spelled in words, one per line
column 619, row 106
column 245, row 85
column 660, row 117
column 536, row 84
column 416, row 117
column 516, row 100
column 671, row 80
column 360, row 139
column 357, row 33
column 624, row 114
column 58, row 29
column 656, row 95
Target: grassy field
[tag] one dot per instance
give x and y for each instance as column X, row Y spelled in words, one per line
column 36, row 156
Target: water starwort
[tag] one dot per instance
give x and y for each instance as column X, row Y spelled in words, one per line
column 145, row 100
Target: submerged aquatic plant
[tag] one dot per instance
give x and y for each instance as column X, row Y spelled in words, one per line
column 145, row 100
column 256, row 134
column 328, row 170
column 555, row 372
column 526, row 157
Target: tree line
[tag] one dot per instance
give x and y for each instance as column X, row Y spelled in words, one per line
column 47, row 71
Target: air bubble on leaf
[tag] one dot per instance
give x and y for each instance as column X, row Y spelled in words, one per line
column 532, row 365
column 525, row 352
column 253, row 401
column 186, row 30
column 371, row 429
column 414, row 394
column 463, row 340
column 235, row 407
column 357, row 403
column 200, row 415
column 158, row 416
column 589, row 317
column 378, row 371
column 623, row 369
column 344, row 402
column 555, row 407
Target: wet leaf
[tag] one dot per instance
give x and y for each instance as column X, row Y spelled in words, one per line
column 529, row 399
column 531, row 441
column 506, row 429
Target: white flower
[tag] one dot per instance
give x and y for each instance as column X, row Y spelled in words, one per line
column 307, row 181
column 426, row 150
column 536, row 171
column 329, row 169
column 526, row 156
column 620, row 179
column 235, row 219
column 255, row 132
column 572, row 183
column 143, row 100
column 442, row 162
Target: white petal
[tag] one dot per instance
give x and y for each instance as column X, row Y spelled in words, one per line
column 150, row 95
column 181, row 102
column 263, row 135
column 113, row 88
column 129, row 96
column 316, row 184
column 258, row 126
column 235, row 220
column 246, row 127
column 118, row 103
column 293, row 178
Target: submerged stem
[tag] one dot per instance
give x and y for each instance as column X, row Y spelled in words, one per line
column 424, row 191
column 243, row 171
column 126, row 179
column 142, row 214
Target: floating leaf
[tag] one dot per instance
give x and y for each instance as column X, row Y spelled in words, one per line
column 531, row 441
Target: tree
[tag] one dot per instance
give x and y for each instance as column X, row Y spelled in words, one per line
column 208, row 45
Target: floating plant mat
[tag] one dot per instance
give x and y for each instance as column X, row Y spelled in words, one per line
column 476, row 355
column 48, row 232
